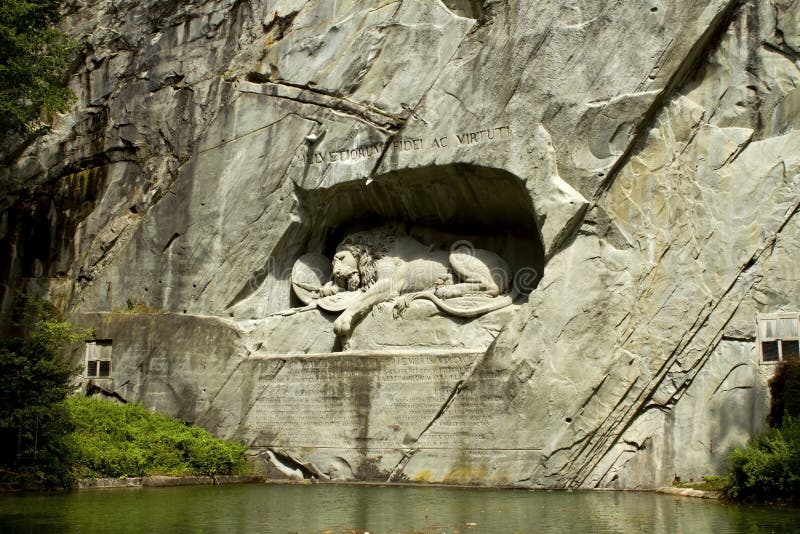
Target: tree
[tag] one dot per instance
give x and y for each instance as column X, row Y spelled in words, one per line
column 784, row 390
column 34, row 59
column 769, row 467
column 34, row 379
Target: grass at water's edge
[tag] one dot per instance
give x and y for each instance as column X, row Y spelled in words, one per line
column 709, row 483
column 106, row 439
column 128, row 440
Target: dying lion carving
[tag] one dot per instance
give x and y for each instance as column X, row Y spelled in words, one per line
column 383, row 264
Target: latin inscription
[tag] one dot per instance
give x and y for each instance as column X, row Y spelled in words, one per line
column 354, row 402
column 402, row 145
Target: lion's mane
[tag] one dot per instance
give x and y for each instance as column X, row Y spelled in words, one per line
column 367, row 248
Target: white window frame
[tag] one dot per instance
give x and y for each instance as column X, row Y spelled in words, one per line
column 97, row 350
column 761, row 339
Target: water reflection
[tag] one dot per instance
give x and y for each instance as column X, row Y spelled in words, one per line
column 329, row 508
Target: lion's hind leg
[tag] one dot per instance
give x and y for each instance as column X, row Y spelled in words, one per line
column 402, row 302
column 476, row 273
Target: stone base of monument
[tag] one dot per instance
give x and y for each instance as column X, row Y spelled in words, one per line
column 368, row 415
column 385, row 414
column 423, row 326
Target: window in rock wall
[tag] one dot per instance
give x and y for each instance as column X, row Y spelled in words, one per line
column 98, row 358
column 778, row 336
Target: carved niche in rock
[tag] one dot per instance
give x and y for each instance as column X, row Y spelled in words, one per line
column 384, row 264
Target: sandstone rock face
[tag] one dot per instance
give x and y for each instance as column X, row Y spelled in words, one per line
column 636, row 164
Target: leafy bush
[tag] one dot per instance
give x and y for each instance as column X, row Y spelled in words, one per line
column 769, row 467
column 115, row 440
column 46, row 439
column 35, row 379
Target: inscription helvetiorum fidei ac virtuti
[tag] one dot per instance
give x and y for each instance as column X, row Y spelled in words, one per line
column 438, row 143
column 435, row 241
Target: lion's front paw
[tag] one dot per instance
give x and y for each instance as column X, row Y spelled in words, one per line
column 328, row 289
column 343, row 325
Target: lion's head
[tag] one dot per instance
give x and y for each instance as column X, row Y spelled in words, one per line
column 355, row 258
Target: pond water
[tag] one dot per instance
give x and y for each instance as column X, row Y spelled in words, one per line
column 357, row 508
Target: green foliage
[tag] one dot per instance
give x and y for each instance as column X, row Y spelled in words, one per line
column 116, row 440
column 784, row 390
column 715, row 483
column 769, row 467
column 35, row 379
column 49, row 439
column 34, row 58
column 709, row 483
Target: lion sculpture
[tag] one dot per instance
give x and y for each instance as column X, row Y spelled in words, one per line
column 383, row 264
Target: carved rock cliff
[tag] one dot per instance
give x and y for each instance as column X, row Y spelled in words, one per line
column 641, row 158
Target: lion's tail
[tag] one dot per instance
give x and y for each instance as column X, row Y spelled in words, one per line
column 495, row 304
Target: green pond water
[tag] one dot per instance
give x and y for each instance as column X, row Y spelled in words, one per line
column 344, row 508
